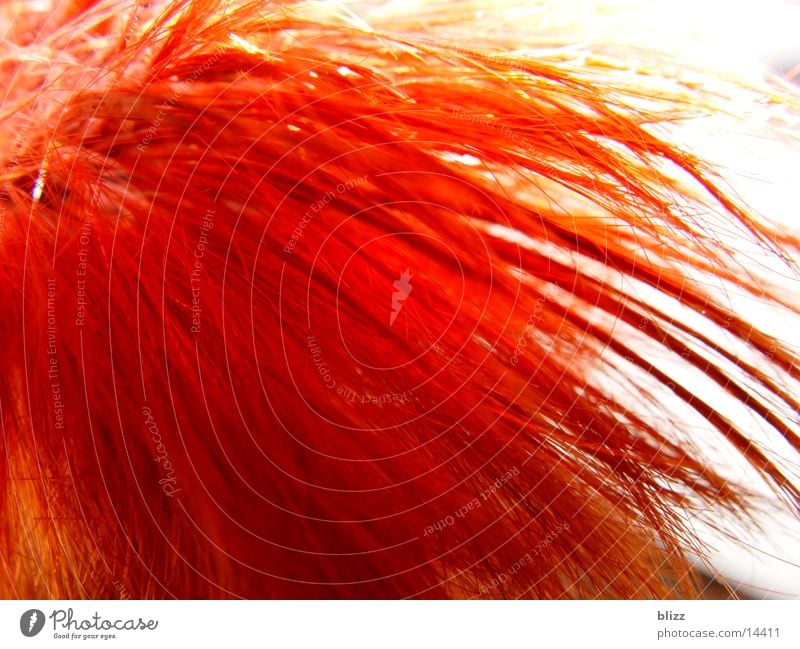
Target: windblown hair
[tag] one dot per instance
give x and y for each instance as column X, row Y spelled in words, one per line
column 301, row 305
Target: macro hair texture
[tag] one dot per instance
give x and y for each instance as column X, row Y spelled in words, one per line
column 327, row 300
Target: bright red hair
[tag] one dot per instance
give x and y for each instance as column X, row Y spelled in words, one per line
column 298, row 307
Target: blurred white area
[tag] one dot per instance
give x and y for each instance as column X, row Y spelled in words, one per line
column 726, row 34
column 740, row 39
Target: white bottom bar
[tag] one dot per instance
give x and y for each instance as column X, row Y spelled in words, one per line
column 401, row 624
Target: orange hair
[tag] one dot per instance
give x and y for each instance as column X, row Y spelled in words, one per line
column 297, row 306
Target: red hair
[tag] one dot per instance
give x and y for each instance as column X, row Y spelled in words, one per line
column 297, row 307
